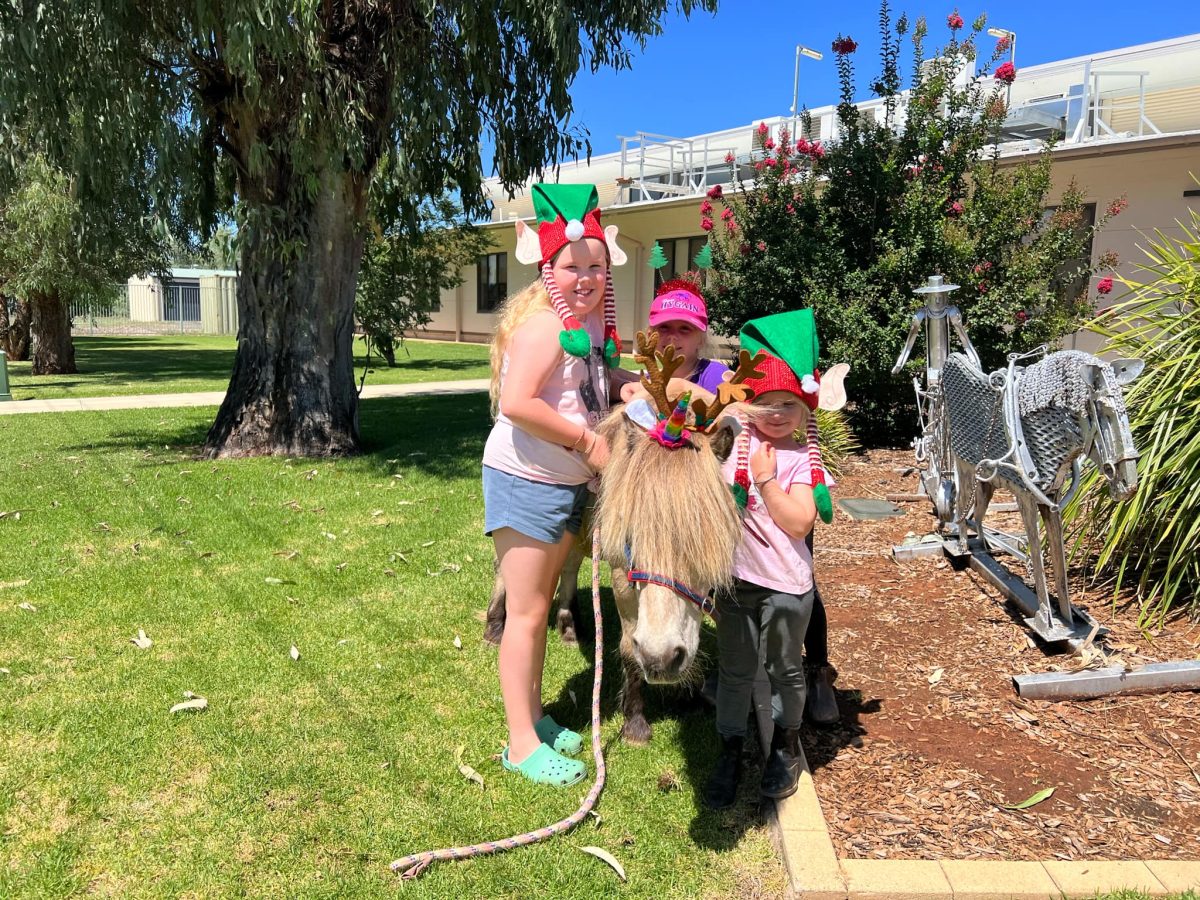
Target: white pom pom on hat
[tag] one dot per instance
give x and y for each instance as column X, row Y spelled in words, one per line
column 574, row 230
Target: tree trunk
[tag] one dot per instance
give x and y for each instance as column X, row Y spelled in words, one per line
column 386, row 346
column 50, row 327
column 292, row 391
column 14, row 329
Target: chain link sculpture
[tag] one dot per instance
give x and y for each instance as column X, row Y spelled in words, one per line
column 1027, row 428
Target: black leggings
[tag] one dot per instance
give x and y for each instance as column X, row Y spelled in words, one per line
column 816, row 639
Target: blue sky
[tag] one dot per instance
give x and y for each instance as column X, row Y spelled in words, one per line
column 734, row 67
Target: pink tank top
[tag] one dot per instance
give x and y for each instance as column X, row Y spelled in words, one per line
column 578, row 390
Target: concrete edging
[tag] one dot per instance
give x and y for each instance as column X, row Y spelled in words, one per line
column 815, row 872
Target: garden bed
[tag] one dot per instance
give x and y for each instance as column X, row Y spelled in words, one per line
column 935, row 741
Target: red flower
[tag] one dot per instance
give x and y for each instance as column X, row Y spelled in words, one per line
column 706, row 208
column 731, row 226
column 769, row 144
column 844, row 46
column 791, row 210
column 1006, row 72
column 802, row 146
column 770, row 161
column 1117, row 206
column 954, row 20
column 727, row 214
column 763, row 129
column 706, row 223
column 729, row 157
column 817, row 151
column 715, row 192
column 1104, row 285
column 1022, row 317
column 1003, row 43
column 762, row 246
column 955, row 210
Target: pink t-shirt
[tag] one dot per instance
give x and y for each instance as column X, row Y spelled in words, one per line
column 577, row 390
column 768, row 556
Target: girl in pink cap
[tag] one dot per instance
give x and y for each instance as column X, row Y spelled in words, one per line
column 680, row 317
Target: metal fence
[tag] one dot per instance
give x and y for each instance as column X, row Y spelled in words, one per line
column 142, row 309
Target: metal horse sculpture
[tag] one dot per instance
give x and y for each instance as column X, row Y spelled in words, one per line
column 1028, row 428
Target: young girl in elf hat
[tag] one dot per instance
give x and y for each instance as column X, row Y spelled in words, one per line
column 780, row 482
column 555, row 343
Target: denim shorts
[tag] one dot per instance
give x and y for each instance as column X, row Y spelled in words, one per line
column 538, row 510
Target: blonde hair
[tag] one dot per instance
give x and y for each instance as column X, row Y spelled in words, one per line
column 517, row 309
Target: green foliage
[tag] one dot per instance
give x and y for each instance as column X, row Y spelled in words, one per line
column 849, row 228
column 836, row 438
column 51, row 247
column 265, row 97
column 1151, row 542
column 405, row 270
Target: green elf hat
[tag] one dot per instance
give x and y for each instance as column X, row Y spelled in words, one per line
column 568, row 213
column 792, row 338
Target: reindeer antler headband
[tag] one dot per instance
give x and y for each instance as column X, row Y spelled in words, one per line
column 661, row 365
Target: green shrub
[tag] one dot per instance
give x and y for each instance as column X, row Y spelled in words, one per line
column 1151, row 542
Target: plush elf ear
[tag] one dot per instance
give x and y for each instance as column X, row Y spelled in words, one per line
column 641, row 413
column 833, row 387
column 529, row 250
column 615, row 254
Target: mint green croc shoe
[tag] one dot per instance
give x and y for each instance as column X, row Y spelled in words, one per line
column 562, row 740
column 544, row 766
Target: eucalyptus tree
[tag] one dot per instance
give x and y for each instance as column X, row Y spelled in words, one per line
column 293, row 103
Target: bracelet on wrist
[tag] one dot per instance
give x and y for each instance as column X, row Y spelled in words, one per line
column 580, row 439
column 761, row 484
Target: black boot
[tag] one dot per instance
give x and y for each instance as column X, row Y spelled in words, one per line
column 821, row 705
column 781, row 774
column 721, row 790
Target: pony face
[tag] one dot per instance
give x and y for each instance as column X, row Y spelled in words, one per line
column 1112, row 447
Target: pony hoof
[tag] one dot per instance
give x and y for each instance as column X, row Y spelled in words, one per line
column 566, row 629
column 636, row 732
column 493, row 633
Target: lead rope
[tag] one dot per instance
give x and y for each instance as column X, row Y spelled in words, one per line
column 417, row 863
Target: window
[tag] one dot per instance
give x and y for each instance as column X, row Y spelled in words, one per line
column 493, row 281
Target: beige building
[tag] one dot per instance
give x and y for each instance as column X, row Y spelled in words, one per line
column 1127, row 123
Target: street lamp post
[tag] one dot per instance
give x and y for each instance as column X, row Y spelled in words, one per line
column 1012, row 55
column 801, row 50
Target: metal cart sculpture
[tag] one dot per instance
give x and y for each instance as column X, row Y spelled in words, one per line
column 1027, row 428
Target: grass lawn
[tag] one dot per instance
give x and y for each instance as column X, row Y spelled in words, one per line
column 302, row 778
column 174, row 364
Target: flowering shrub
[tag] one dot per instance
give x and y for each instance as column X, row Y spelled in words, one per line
column 1006, row 73
column 849, row 228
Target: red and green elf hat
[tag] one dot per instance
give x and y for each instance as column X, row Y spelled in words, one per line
column 567, row 213
column 792, row 338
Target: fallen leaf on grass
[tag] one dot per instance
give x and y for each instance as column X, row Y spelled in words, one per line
column 608, row 858
column 457, row 642
column 1034, row 800
column 15, row 515
column 278, row 581
column 429, row 543
column 13, row 584
column 936, row 675
column 5, row 672
column 466, row 771
column 294, row 652
column 141, row 641
column 27, row 606
column 193, row 703
column 287, row 554
column 329, row 536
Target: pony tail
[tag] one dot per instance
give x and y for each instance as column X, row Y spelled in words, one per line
column 531, row 299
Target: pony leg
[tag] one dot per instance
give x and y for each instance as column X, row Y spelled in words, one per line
column 1029, row 515
column 494, row 628
column 565, row 598
column 1058, row 559
column 636, row 730
column 966, row 476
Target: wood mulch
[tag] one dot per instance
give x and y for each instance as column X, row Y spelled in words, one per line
column 934, row 740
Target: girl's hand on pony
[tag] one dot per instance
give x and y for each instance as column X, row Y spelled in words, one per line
column 597, row 452
column 762, row 462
